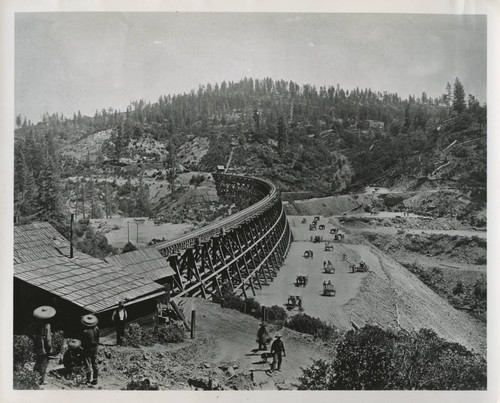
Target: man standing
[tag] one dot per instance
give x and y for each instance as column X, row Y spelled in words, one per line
column 262, row 337
column 119, row 318
column 278, row 351
column 42, row 338
column 90, row 342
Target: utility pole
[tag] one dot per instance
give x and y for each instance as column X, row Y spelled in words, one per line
column 137, row 222
column 128, row 231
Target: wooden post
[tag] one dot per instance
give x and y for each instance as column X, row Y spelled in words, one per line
column 193, row 323
column 71, row 236
column 167, row 292
column 264, row 313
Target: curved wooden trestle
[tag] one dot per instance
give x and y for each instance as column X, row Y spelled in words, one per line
column 242, row 252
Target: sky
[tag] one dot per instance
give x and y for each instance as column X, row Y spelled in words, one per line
column 81, row 61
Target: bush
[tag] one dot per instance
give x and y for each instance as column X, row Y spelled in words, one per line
column 57, row 342
column 133, row 335
column 25, row 379
column 374, row 359
column 170, row 334
column 304, row 323
column 129, row 247
column 252, row 307
column 458, row 289
column 23, row 350
column 276, row 312
column 231, row 301
column 145, row 384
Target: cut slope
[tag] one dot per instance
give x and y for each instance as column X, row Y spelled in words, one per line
column 389, row 295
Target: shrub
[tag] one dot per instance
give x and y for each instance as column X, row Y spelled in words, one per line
column 276, row 312
column 374, row 359
column 231, row 301
column 252, row 307
column 145, row 384
column 133, row 335
column 129, row 247
column 459, row 288
column 57, row 342
column 170, row 334
column 25, row 379
column 23, row 350
column 304, row 323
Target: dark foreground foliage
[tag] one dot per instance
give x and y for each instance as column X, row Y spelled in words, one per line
column 136, row 336
column 375, row 359
column 249, row 306
column 144, row 384
column 24, row 377
column 304, row 323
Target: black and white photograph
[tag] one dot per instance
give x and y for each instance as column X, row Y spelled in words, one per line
column 249, row 200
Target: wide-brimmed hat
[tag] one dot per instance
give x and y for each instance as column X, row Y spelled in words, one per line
column 74, row 343
column 44, row 312
column 278, row 335
column 89, row 320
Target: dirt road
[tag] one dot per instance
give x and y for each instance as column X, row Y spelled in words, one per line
column 235, row 335
column 388, row 295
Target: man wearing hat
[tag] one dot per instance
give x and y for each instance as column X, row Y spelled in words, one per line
column 278, row 349
column 42, row 339
column 119, row 317
column 263, row 337
column 90, row 342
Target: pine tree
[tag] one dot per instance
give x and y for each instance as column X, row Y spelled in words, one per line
column 282, row 137
column 172, row 162
column 447, row 95
column 49, row 199
column 142, row 206
column 458, row 97
column 28, row 203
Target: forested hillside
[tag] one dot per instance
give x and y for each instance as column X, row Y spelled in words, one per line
column 310, row 140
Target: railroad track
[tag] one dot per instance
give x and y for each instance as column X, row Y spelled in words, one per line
column 205, row 233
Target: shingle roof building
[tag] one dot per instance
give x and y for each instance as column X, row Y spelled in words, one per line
column 148, row 263
column 41, row 259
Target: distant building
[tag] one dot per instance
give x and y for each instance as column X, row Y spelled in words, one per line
column 221, row 169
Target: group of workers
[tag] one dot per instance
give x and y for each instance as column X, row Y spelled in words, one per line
column 277, row 346
column 309, row 254
column 79, row 350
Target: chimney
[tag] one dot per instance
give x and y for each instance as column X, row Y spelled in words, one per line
column 71, row 236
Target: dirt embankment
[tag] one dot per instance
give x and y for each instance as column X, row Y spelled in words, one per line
column 329, row 206
column 389, row 295
column 435, row 203
column 417, row 223
column 223, row 352
column 445, row 248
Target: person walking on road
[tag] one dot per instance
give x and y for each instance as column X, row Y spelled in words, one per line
column 263, row 337
column 278, row 351
column 90, row 343
column 42, row 339
column 119, row 318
